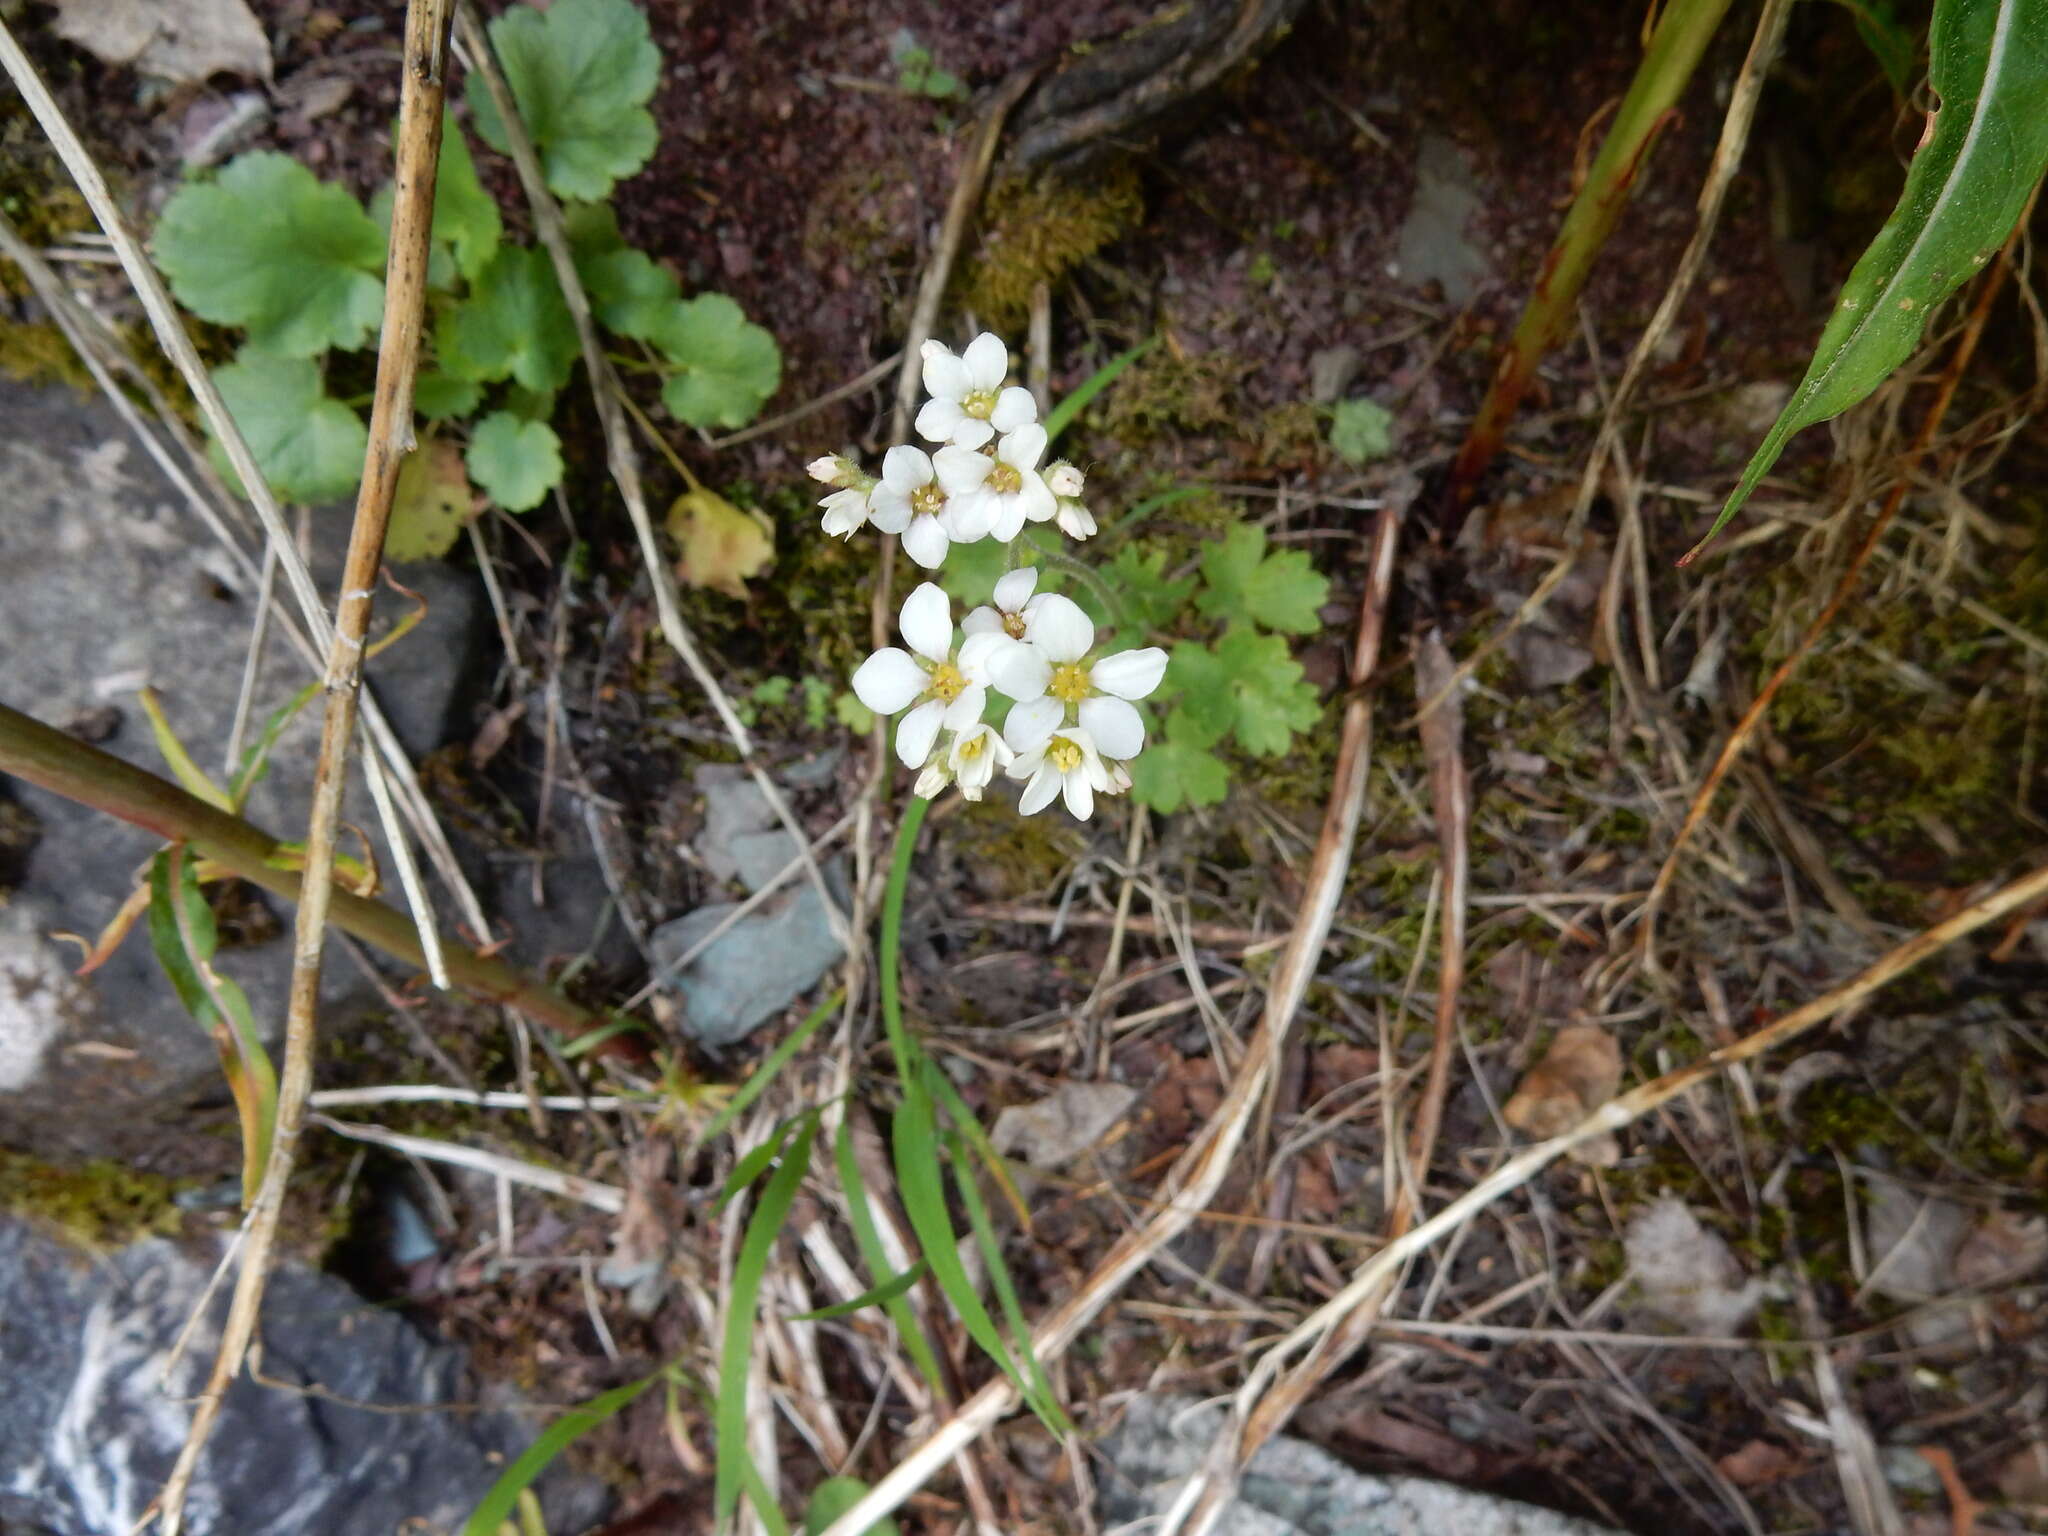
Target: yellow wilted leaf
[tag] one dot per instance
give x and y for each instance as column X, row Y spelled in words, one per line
column 433, row 502
column 722, row 545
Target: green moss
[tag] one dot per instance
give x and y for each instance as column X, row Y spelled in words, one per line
column 1028, row 853
column 1037, row 230
column 1164, row 393
column 99, row 1204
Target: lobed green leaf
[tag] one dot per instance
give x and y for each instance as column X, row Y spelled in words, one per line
column 308, row 445
column 513, row 324
column 727, row 366
column 1280, row 590
column 517, row 462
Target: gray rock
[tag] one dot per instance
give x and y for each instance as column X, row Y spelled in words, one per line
column 765, row 962
column 733, row 807
column 1295, row 1489
column 758, row 857
column 1433, row 243
column 89, row 1426
column 111, row 584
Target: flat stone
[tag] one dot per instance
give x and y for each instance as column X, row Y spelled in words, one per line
column 765, row 962
column 1433, row 243
column 90, row 1427
column 758, row 857
column 111, row 585
column 1293, row 1488
column 733, row 807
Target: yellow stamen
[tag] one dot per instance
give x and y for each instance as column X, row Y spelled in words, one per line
column 947, row 682
column 1004, row 479
column 972, row 748
column 1064, row 754
column 1013, row 625
column 979, row 403
column 928, row 499
column 1070, row 683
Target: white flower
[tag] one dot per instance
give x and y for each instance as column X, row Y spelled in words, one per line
column 1065, row 483
column 1013, row 605
column 946, row 690
column 968, row 403
column 917, row 495
column 1050, row 671
column 1013, row 492
column 833, row 469
column 1065, row 763
column 846, row 511
column 970, row 760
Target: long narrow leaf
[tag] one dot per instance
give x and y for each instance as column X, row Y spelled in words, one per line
column 775, row 1061
column 887, row 1291
column 1038, row 1393
column 1985, row 152
column 755, row 1161
column 876, row 1257
column 916, row 1146
column 964, row 1121
column 735, row 1358
column 176, row 758
column 497, row 1505
column 256, row 760
column 1062, row 415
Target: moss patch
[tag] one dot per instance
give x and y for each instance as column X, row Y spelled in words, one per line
column 1037, row 230
column 100, row 1204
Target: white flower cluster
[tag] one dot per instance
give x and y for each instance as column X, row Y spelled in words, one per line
column 1071, row 729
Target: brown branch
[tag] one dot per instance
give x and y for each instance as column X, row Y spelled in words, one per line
column 37, row 754
column 425, row 60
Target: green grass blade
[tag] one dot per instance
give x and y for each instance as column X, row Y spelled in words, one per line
column 736, row 1353
column 590, row 1040
column 758, row 1496
column 756, row 1160
column 833, row 1498
column 176, row 758
column 916, row 1145
column 876, row 1257
column 968, row 1126
column 1061, row 416
column 887, row 1291
column 891, row 957
column 1038, row 1393
column 497, row 1505
column 256, row 760
column 775, row 1061
column 1964, row 192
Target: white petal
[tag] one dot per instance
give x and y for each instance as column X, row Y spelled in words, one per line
column 1059, row 628
column 945, row 376
column 932, row 782
column 1024, row 764
column 966, row 710
column 1118, row 729
column 916, row 732
column 906, row 468
column 972, row 432
column 1018, row 671
column 987, row 360
column 1032, row 723
column 825, row 471
column 1007, row 519
column 925, row 542
column 1023, row 448
column 888, row 680
column 844, row 512
column 965, row 518
column 1076, row 521
column 1064, row 480
column 1129, row 675
column 1014, row 589
column 983, row 621
column 961, row 470
column 1014, row 407
column 1036, row 498
column 889, row 508
column 1080, row 795
column 1039, row 793
column 927, row 621
column 977, row 649
column 935, row 423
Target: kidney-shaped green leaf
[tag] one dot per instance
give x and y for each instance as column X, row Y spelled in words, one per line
column 308, row 444
column 1984, row 153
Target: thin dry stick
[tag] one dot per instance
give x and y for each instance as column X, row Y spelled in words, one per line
column 170, row 333
column 1205, row 1499
column 620, row 456
column 1187, row 1190
column 391, row 439
column 1623, row 1111
column 1739, row 738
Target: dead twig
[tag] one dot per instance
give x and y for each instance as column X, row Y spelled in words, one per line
column 391, row 439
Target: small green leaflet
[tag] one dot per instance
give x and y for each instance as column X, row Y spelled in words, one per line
column 437, row 396
column 582, row 73
column 270, row 247
column 1247, row 683
column 1151, row 600
column 630, row 293
column 728, row 366
column 1964, row 192
column 309, row 447
column 513, row 323
column 1178, row 769
column 1281, row 590
column 517, row 462
column 465, row 215
column 1361, row 431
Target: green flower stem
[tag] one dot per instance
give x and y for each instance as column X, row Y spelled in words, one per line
column 892, row 936
column 51, row 760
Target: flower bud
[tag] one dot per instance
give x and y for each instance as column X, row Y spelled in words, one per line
column 1063, row 479
column 830, row 470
